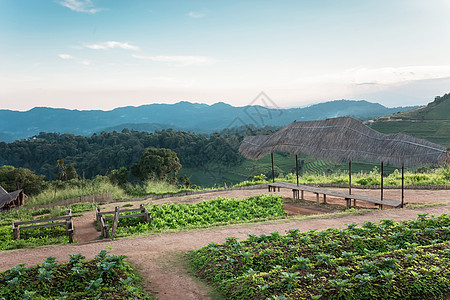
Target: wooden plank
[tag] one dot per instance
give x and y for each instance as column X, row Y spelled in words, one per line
column 126, row 216
column 121, row 211
column 43, row 220
column 43, row 225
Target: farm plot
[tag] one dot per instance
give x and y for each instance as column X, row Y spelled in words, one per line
column 389, row 260
column 217, row 211
column 105, row 277
column 38, row 236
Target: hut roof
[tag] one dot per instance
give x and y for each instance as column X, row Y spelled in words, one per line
column 6, row 197
column 344, row 139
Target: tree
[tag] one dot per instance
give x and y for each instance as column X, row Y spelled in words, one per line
column 119, row 177
column 71, row 172
column 13, row 179
column 156, row 163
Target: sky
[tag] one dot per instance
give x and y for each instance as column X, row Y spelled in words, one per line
column 102, row 54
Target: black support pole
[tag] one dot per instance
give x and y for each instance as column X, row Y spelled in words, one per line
column 273, row 172
column 296, row 166
column 403, row 184
column 350, row 177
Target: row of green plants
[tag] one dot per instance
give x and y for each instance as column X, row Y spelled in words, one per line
column 38, row 236
column 439, row 176
column 105, row 277
column 388, row 260
column 217, row 211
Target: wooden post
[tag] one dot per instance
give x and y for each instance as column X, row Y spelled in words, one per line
column 115, row 222
column 296, row 166
column 302, row 195
column 350, row 177
column 70, row 231
column 273, row 172
column 403, row 184
column 382, row 185
column 325, row 198
column 16, row 232
column 317, row 198
column 143, row 218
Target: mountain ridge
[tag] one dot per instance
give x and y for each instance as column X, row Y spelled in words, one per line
column 184, row 115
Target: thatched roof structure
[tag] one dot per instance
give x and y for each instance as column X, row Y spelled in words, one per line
column 13, row 199
column 346, row 139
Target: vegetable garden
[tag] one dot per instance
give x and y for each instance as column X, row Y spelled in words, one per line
column 38, row 236
column 217, row 211
column 105, row 277
column 389, row 260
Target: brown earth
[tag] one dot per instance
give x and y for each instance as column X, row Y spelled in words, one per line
column 159, row 257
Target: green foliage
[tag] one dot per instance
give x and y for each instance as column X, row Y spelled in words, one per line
column 157, row 163
column 389, row 260
column 12, row 179
column 216, row 211
column 105, row 277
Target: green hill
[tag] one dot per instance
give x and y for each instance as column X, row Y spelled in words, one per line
column 430, row 122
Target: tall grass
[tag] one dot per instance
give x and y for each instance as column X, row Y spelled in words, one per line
column 439, row 176
column 55, row 192
column 155, row 187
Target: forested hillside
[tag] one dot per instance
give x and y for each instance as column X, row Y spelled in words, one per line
column 101, row 153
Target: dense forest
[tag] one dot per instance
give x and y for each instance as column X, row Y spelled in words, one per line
column 98, row 154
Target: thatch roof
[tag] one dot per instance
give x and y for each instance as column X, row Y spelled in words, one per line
column 344, row 139
column 6, row 198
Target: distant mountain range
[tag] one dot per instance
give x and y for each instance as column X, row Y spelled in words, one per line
column 201, row 118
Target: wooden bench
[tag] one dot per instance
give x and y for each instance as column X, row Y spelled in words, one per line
column 297, row 189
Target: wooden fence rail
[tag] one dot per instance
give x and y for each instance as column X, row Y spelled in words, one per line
column 105, row 228
column 66, row 221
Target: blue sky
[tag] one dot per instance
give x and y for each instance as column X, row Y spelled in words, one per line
column 101, row 54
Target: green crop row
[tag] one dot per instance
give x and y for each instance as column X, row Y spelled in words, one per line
column 219, row 210
column 389, row 260
column 105, row 277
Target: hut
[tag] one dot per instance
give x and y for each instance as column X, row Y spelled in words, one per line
column 10, row 200
column 346, row 139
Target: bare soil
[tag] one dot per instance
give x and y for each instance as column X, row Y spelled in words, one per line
column 159, row 257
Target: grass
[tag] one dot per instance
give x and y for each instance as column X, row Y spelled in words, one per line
column 439, row 176
column 75, row 189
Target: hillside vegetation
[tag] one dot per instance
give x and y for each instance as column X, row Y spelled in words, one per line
column 430, row 122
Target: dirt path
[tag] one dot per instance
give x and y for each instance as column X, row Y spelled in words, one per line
column 85, row 230
column 158, row 256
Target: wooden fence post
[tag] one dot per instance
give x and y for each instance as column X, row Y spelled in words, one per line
column 143, row 218
column 16, row 232
column 115, row 222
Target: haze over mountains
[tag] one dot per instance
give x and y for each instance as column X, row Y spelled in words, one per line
column 201, row 118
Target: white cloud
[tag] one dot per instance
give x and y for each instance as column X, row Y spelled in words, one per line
column 85, row 6
column 179, row 61
column 65, row 56
column 85, row 62
column 196, row 14
column 112, row 45
column 383, row 76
